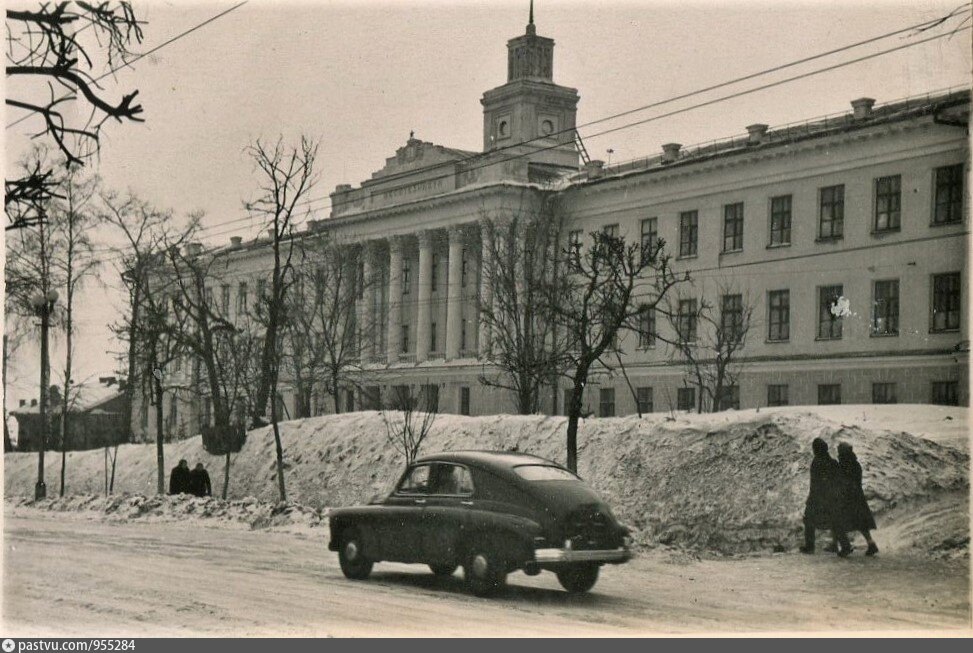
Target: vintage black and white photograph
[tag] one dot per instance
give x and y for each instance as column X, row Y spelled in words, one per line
column 486, row 318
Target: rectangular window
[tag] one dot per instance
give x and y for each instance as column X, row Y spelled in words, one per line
column 644, row 397
column 430, row 398
column 349, row 401
column 885, row 308
column 241, row 298
column 779, row 315
column 945, row 393
column 688, row 233
column 777, row 395
column 359, row 282
column 650, row 239
column 780, row 220
column 372, row 398
column 406, row 276
column 733, row 227
column 883, row 393
column 829, row 394
column 686, row 320
column 610, row 230
column 401, row 397
column 225, row 299
column 261, row 289
column 405, row 338
column 829, row 324
column 730, row 398
column 432, row 336
column 731, row 318
column 567, row 400
column 464, row 401
column 949, row 195
column 686, row 399
column 831, row 212
column 646, row 327
column 574, row 244
column 888, row 203
column 462, row 334
column 606, row 402
column 434, row 273
column 464, row 268
column 945, row 301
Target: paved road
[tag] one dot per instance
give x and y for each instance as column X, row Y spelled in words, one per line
column 70, row 576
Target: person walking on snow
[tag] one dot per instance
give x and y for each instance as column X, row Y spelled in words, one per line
column 855, row 515
column 199, row 481
column 179, row 478
column 824, row 500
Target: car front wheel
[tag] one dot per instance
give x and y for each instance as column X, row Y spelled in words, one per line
column 578, row 579
column 351, row 557
column 484, row 572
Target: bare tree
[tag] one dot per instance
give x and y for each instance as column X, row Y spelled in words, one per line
column 707, row 337
column 56, row 79
column 605, row 286
column 287, row 176
column 408, row 420
column 521, row 261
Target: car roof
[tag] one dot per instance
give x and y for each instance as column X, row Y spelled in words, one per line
column 493, row 459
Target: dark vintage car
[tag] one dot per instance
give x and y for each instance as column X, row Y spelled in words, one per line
column 491, row 513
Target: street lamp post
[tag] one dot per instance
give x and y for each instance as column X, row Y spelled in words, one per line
column 43, row 305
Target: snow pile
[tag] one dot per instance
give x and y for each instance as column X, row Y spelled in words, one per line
column 245, row 513
column 728, row 482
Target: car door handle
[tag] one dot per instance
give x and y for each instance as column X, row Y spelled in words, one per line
column 420, row 501
column 466, row 503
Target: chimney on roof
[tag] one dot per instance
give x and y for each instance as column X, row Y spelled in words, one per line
column 194, row 249
column 757, row 133
column 594, row 168
column 862, row 107
column 236, row 241
column 670, row 152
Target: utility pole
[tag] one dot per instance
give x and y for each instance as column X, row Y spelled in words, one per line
column 44, row 305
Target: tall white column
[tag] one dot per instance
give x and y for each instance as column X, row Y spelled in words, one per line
column 367, row 324
column 394, row 347
column 424, row 307
column 454, row 293
column 484, row 337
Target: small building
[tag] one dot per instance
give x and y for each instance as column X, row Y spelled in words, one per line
column 97, row 418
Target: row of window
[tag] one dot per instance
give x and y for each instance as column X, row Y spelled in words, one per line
column 404, row 342
column 434, row 273
column 887, row 214
column 944, row 314
column 944, row 393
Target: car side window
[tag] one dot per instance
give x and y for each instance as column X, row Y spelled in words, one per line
column 416, row 481
column 451, row 480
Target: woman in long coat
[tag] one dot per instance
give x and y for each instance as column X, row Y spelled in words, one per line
column 823, row 507
column 855, row 513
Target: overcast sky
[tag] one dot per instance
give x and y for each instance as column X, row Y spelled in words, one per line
column 359, row 76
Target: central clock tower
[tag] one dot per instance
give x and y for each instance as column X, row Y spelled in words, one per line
column 530, row 115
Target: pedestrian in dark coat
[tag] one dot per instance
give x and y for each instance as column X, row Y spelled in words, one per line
column 179, row 478
column 855, row 513
column 199, row 481
column 823, row 500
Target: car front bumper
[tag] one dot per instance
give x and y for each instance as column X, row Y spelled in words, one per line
column 550, row 556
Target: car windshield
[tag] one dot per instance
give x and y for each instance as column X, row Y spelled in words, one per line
column 544, row 473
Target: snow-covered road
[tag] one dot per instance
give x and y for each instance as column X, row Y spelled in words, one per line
column 70, row 576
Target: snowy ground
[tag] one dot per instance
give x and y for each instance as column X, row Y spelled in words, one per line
column 75, row 578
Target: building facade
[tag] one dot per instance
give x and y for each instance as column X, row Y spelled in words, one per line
column 846, row 235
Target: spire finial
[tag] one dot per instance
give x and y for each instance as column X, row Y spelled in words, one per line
column 530, row 24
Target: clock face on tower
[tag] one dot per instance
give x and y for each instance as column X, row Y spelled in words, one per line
column 547, row 127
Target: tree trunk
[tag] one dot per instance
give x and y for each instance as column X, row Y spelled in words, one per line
column 106, row 471
column 114, row 459
column 574, row 413
column 280, row 448
column 226, row 475
column 160, row 456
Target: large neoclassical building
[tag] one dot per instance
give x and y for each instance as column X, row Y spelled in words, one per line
column 869, row 206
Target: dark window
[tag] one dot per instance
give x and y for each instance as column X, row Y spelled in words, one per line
column 434, row 273
column 731, row 318
column 883, row 393
column 464, row 268
column 432, row 336
column 401, row 397
column 606, row 402
column 949, row 195
column 405, row 338
column 567, row 400
column 644, row 397
column 650, row 239
column 610, row 230
column 780, row 220
column 945, row 393
column 450, row 480
column 779, row 314
column 646, row 327
column 464, row 401
column 225, row 299
column 686, row 399
column 888, row 203
column 686, row 320
column 462, row 334
column 359, row 282
column 261, row 289
column 349, row 401
column 832, row 212
column 688, row 233
column 945, row 301
column 372, row 398
column 733, row 227
column 430, row 398
column 829, row 324
column 829, row 393
column 241, row 298
column 730, row 398
column 574, row 244
column 406, row 275
column 885, row 308
column 777, row 395
column 416, row 481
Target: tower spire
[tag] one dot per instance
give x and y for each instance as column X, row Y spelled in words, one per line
column 530, row 23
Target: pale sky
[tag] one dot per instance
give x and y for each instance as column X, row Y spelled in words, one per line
column 360, row 75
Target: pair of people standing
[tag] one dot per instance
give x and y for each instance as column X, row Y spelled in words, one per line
column 184, row 481
column 836, row 500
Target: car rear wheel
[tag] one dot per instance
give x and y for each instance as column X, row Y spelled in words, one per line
column 443, row 569
column 578, row 579
column 484, row 572
column 351, row 556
